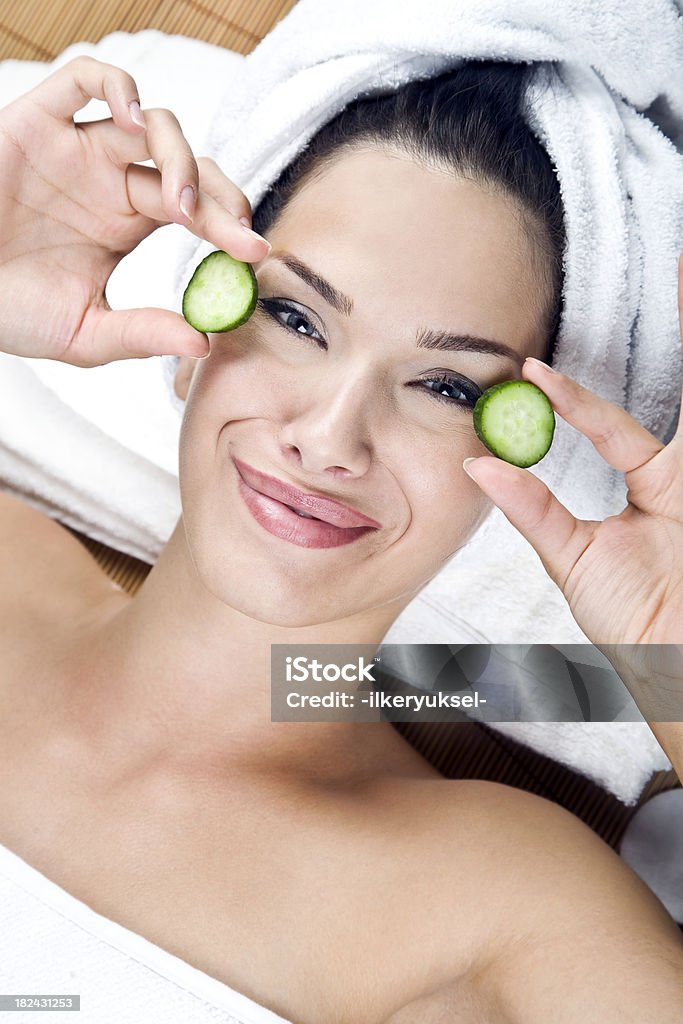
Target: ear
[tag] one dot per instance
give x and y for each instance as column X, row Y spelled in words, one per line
column 183, row 376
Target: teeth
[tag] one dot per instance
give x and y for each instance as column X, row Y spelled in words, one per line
column 304, row 515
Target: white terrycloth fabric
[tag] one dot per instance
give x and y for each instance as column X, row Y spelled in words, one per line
column 97, row 448
column 51, row 943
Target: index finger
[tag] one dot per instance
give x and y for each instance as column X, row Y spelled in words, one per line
column 623, row 442
column 82, row 79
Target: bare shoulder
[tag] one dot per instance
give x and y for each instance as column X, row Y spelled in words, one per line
column 567, row 932
column 44, row 570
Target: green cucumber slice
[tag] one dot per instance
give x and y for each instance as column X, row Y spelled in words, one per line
column 515, row 421
column 221, row 294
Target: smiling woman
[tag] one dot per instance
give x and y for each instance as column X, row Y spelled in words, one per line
column 355, row 400
column 322, row 485
column 416, row 261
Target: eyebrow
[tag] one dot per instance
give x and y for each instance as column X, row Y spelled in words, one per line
column 428, row 338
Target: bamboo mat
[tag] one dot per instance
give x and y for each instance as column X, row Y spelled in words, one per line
column 40, row 30
column 466, row 750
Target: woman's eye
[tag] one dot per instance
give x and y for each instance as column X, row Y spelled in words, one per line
column 451, row 390
column 293, row 320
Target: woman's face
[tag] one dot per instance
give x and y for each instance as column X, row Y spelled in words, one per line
column 340, row 390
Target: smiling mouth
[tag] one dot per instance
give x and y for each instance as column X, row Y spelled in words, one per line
column 293, row 525
column 332, row 512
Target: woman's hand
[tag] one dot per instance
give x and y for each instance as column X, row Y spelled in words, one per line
column 73, row 203
column 622, row 578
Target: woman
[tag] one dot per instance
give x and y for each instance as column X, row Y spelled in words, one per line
column 279, row 848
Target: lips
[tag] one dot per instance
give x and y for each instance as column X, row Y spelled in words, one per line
column 325, row 509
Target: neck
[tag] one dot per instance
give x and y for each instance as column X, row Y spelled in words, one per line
column 173, row 676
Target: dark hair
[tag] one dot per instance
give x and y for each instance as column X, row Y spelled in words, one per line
column 470, row 121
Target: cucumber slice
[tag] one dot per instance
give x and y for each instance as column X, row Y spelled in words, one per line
column 221, row 294
column 515, row 421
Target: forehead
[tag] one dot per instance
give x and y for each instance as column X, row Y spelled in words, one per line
column 417, row 243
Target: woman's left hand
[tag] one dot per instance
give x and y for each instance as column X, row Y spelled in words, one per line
column 622, row 578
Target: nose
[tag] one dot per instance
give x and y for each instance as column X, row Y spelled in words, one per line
column 330, row 433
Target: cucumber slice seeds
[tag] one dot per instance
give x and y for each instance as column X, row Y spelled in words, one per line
column 516, row 421
column 221, row 294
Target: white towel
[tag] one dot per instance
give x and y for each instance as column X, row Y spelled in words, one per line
column 52, row 943
column 313, row 62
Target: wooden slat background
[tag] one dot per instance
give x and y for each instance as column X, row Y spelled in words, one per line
column 40, row 30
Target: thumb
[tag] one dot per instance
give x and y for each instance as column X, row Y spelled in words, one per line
column 109, row 334
column 557, row 537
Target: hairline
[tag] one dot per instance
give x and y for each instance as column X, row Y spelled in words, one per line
column 530, row 222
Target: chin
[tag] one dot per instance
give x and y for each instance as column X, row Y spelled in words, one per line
column 285, row 614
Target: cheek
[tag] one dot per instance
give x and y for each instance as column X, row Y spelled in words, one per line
column 447, row 504
column 245, row 377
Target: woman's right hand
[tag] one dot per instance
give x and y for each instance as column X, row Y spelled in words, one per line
column 73, row 203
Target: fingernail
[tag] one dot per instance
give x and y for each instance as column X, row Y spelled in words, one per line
column 245, row 221
column 254, row 235
column 136, row 114
column 539, row 362
column 187, row 202
column 204, row 355
column 465, row 467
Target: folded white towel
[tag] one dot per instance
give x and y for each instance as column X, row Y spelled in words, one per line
column 108, row 466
